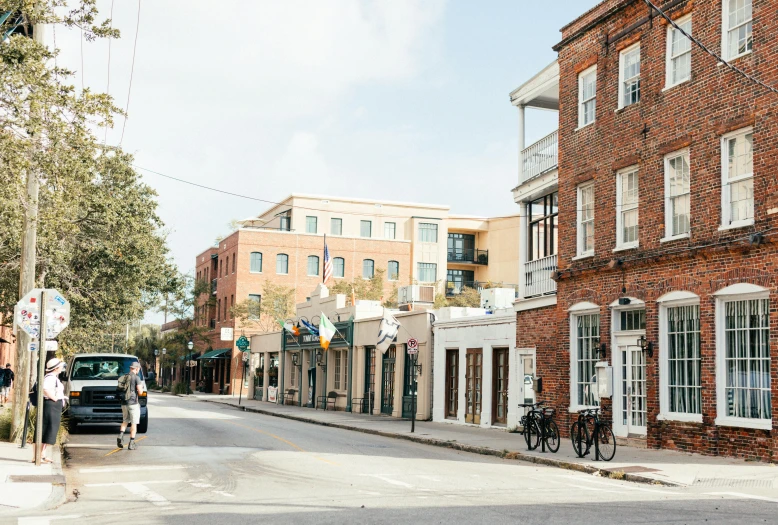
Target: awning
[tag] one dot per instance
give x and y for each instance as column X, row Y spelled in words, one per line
column 216, row 354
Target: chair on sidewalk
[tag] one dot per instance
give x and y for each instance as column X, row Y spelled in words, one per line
column 289, row 398
column 326, row 400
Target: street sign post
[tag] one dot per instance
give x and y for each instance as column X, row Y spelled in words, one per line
column 243, row 345
column 413, row 353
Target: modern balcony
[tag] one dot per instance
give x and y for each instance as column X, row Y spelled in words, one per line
column 541, row 157
column 467, row 256
column 537, row 277
column 457, row 287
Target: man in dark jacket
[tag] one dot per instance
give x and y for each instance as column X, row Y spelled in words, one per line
column 6, row 381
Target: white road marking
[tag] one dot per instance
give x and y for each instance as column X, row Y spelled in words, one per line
column 45, row 520
column 139, row 489
column 369, row 493
column 593, row 489
column 741, row 495
column 122, row 483
column 222, row 493
column 626, row 487
column 135, row 468
column 200, row 485
column 390, row 481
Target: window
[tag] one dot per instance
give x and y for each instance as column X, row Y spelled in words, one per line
column 428, row 232
column 219, row 310
column 683, row 367
column 679, row 52
column 428, row 272
column 338, row 369
column 632, row 320
column 587, row 342
column 587, row 96
column 225, row 308
column 461, row 247
column 627, row 208
column 285, row 223
column 311, row 224
column 677, row 194
column 390, row 229
column 543, row 227
column 368, row 268
column 456, row 280
column 292, row 375
column 586, row 219
column 365, row 229
column 738, row 179
column 256, row 262
column 738, row 38
column 629, row 76
column 234, row 261
column 313, row 265
column 255, row 302
column 338, row 267
column 282, row 264
column 743, row 361
column 393, row 271
column 336, row 226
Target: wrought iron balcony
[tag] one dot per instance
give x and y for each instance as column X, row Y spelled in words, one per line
column 539, row 157
column 469, row 256
column 456, row 287
column 537, row 277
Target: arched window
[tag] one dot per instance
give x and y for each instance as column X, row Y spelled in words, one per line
column 282, row 263
column 313, row 265
column 256, row 262
column 368, row 268
column 393, row 271
column 338, row 267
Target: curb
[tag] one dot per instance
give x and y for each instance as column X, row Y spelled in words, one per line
column 567, row 465
column 58, row 490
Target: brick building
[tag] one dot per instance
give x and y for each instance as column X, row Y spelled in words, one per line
column 667, row 210
column 412, row 243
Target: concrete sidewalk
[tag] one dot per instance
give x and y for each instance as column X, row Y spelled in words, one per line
column 664, row 467
column 24, row 486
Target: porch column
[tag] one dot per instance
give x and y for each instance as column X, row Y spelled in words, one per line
column 379, row 381
column 265, row 375
column 523, row 240
column 521, row 142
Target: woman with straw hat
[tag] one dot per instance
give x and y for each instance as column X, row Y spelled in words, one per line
column 53, row 402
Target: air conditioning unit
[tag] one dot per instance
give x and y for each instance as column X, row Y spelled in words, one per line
column 415, row 293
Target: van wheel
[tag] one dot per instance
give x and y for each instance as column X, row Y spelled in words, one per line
column 143, row 426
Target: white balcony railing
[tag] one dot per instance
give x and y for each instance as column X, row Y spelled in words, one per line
column 539, row 158
column 537, row 277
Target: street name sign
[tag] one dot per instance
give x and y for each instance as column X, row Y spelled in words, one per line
column 27, row 313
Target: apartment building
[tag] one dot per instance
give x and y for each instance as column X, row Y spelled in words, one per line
column 667, row 209
column 413, row 244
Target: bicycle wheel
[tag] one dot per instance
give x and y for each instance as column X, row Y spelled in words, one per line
column 578, row 438
column 532, row 434
column 552, row 435
column 606, row 443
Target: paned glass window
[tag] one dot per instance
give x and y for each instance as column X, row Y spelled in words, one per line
column 282, row 263
column 679, row 52
column 311, row 224
column 338, row 369
column 586, row 219
column 428, row 232
column 738, row 22
column 747, row 358
column 543, row 227
column 368, row 268
column 428, row 272
column 587, row 97
column 256, row 262
column 338, row 267
column 390, row 230
column 632, row 320
column 630, row 76
column 313, row 265
column 627, row 208
column 678, row 184
column 255, row 303
column 336, row 226
column 365, row 229
column 587, row 347
column 393, row 271
column 738, row 178
column 683, row 359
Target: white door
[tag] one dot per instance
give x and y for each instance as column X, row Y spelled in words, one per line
column 633, row 388
column 526, row 375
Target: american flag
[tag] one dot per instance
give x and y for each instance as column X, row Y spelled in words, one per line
column 327, row 264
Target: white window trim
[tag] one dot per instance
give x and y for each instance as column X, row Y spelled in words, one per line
column 387, row 272
column 727, row 295
column 621, row 73
column 580, row 254
column 261, row 263
column 620, row 244
column 725, row 32
column 671, row 300
column 668, row 54
column 577, row 311
column 668, row 212
column 318, row 266
column 725, row 182
column 581, row 101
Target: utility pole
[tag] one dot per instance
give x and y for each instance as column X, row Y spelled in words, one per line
column 24, row 371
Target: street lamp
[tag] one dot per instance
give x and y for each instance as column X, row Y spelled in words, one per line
column 190, row 346
column 646, row 345
column 295, row 358
column 320, row 361
column 162, row 368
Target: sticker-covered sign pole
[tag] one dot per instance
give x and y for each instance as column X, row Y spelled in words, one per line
column 42, row 331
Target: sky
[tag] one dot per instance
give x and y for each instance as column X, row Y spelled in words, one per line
column 397, row 100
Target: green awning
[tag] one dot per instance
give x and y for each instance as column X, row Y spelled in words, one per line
column 216, row 354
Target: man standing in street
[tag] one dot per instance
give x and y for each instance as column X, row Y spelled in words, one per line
column 130, row 385
column 6, row 380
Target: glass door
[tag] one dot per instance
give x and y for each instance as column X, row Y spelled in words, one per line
column 500, row 386
column 369, row 398
column 452, row 383
column 633, row 388
column 387, row 390
column 473, row 374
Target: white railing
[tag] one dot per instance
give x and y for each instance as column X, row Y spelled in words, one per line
column 537, row 277
column 540, row 157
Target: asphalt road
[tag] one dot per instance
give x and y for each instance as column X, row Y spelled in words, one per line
column 202, row 463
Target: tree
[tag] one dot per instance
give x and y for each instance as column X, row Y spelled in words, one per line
column 278, row 302
column 467, row 297
column 369, row 289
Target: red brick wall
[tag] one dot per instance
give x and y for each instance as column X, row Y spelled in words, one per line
column 694, row 115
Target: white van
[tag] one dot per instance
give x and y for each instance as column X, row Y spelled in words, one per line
column 91, row 389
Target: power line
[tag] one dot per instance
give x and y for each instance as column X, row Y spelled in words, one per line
column 132, row 71
column 82, row 58
column 711, row 53
column 108, row 87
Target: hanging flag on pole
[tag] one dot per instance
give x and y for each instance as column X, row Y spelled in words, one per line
column 289, row 327
column 326, row 331
column 327, row 263
column 387, row 332
column 312, row 329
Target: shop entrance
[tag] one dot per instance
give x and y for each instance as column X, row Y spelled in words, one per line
column 500, row 386
column 387, row 387
column 473, row 375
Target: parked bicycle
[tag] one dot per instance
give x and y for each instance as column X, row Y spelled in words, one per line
column 590, row 430
column 539, row 427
